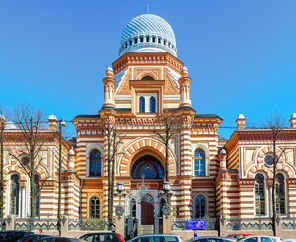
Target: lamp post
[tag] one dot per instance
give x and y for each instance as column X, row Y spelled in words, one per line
column 61, row 124
column 167, row 191
column 119, row 210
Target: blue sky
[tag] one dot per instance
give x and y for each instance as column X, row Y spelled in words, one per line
column 241, row 55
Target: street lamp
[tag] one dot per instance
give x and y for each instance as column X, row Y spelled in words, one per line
column 167, row 192
column 61, row 125
column 120, row 187
column 119, row 210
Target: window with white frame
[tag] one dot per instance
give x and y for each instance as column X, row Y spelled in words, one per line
column 95, row 163
column 94, row 207
column 142, row 104
column 200, row 206
column 260, row 195
column 14, row 194
column 280, row 194
column 199, row 162
column 147, row 102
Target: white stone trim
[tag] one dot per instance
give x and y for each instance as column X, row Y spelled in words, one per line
column 101, row 203
column 207, row 154
column 207, row 203
column 89, row 149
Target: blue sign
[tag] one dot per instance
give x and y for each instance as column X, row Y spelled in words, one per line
column 195, row 224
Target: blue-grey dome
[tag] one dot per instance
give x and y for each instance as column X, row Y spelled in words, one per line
column 148, row 33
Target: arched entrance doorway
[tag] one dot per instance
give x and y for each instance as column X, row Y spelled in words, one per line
column 147, row 173
column 147, row 210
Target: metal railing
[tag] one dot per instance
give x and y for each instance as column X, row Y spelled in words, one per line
column 288, row 223
column 248, row 223
column 30, row 224
column 87, row 224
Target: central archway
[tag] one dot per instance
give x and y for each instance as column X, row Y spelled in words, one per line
column 147, row 167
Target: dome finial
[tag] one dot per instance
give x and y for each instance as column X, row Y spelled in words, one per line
column 147, row 7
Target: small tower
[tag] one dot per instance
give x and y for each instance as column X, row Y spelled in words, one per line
column 109, row 88
column 53, row 122
column 223, row 159
column 184, row 83
column 71, row 159
column 293, row 121
column 241, row 122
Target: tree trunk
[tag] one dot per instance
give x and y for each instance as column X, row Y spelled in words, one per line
column 167, row 154
column 32, row 187
column 273, row 184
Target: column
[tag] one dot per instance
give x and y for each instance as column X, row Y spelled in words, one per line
column 186, row 170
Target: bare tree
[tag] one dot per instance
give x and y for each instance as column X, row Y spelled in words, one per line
column 275, row 124
column 30, row 124
column 114, row 140
column 2, row 127
column 170, row 125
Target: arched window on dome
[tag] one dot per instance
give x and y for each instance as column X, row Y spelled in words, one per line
column 147, row 39
column 95, row 163
column 164, row 42
column 141, row 39
column 280, row 194
column 14, row 194
column 199, row 162
column 152, row 105
column 136, row 40
column 130, row 42
column 142, row 104
column 260, row 194
column 153, row 39
column 94, row 207
column 159, row 40
column 200, row 206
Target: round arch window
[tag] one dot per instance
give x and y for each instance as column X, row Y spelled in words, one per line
column 268, row 160
column 25, row 160
column 147, row 167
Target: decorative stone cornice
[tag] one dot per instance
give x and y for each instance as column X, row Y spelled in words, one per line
column 246, row 182
column 50, row 185
column 143, row 58
column 292, row 182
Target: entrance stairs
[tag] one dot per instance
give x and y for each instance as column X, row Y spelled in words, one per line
column 145, row 229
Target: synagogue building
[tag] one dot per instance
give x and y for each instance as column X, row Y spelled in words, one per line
column 146, row 91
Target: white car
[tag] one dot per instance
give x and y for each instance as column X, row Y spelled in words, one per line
column 212, row 239
column 158, row 238
column 261, row 239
